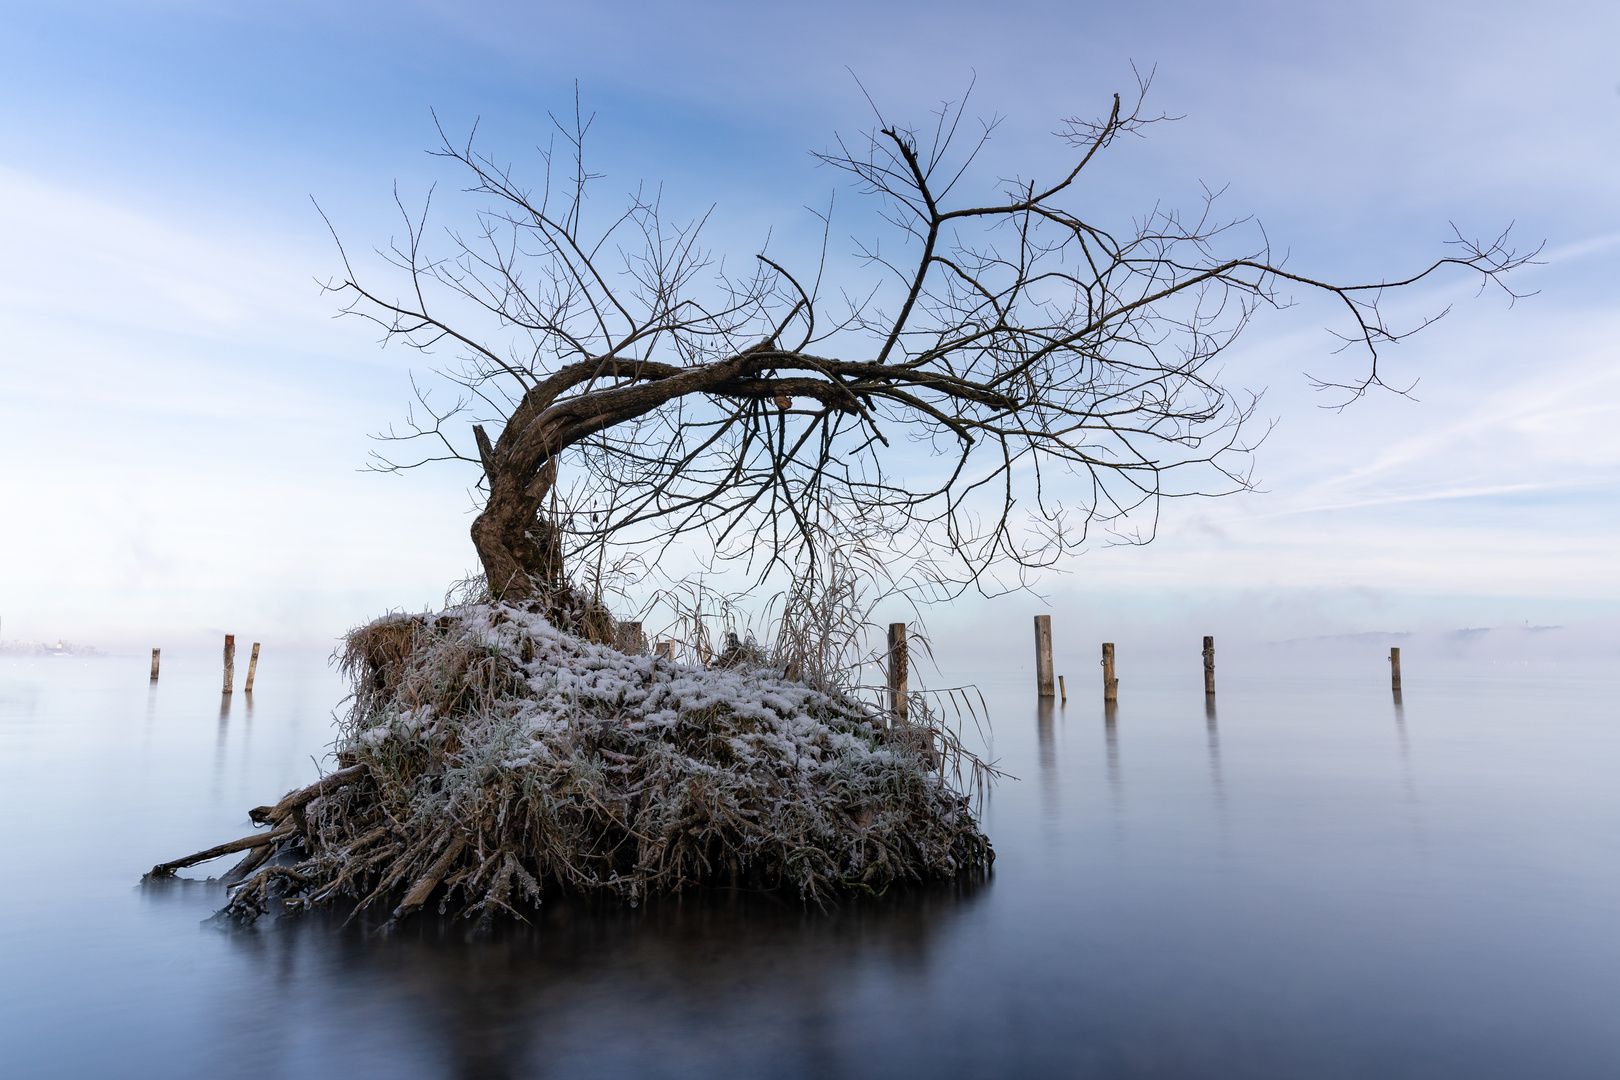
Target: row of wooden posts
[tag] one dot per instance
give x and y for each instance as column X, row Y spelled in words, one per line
column 1043, row 666
column 230, row 665
column 897, row 665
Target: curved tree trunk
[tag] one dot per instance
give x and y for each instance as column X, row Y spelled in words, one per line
column 520, row 550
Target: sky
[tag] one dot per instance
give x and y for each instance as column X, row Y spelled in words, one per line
column 184, row 423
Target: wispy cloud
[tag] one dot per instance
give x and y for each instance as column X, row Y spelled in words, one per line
column 180, row 414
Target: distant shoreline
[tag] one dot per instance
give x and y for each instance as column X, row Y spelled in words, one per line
column 40, row 648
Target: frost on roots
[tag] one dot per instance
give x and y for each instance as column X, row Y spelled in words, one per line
column 489, row 757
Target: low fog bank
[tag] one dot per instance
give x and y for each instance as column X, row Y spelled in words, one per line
column 192, row 666
column 1590, row 648
column 195, row 621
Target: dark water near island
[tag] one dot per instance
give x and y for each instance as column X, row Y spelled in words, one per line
column 1311, row 881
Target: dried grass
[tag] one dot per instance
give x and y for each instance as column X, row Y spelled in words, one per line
column 488, row 756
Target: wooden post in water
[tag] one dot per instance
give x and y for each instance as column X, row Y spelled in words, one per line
column 253, row 666
column 1110, row 683
column 230, row 662
column 1064, row 690
column 1043, row 655
column 1209, row 664
column 155, row 653
column 897, row 670
column 1395, row 670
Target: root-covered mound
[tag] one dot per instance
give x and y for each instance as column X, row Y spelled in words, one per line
column 489, row 756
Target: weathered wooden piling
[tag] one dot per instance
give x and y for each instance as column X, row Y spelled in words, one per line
column 155, row 654
column 1395, row 670
column 897, row 670
column 1110, row 683
column 664, row 650
column 253, row 667
column 1209, row 664
column 1043, row 655
column 1063, row 690
column 230, row 662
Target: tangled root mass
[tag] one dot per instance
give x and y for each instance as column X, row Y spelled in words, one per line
column 489, row 756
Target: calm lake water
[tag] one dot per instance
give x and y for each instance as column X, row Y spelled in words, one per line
column 1309, row 882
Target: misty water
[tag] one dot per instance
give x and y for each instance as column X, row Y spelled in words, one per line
column 1307, row 880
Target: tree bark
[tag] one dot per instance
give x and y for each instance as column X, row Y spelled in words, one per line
column 521, row 551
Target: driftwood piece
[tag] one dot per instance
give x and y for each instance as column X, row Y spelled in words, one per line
column 275, row 815
column 163, row 870
column 429, row 881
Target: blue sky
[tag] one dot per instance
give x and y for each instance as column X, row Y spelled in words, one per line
column 182, row 419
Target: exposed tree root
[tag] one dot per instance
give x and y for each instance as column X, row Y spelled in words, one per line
column 257, row 840
column 295, row 800
column 429, row 881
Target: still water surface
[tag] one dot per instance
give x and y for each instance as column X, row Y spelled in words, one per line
column 1311, row 881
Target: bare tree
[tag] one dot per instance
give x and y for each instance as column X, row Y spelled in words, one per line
column 1050, row 375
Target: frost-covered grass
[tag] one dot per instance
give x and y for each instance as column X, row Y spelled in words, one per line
column 491, row 756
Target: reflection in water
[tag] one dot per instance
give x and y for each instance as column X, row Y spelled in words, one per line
column 670, row 988
column 219, row 738
column 246, row 752
column 1408, row 780
column 1111, row 737
column 1047, row 747
column 1400, row 728
column 1043, row 728
column 1213, row 737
